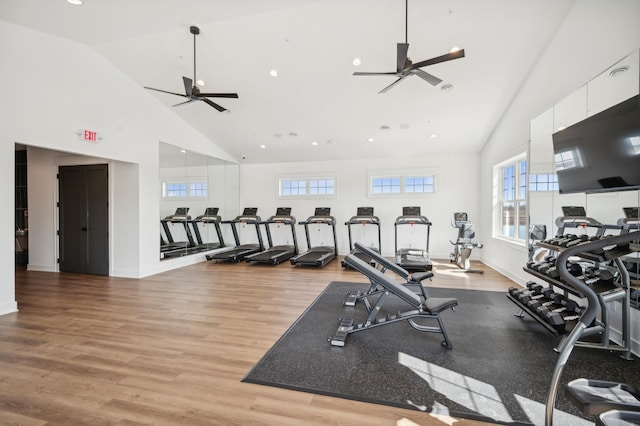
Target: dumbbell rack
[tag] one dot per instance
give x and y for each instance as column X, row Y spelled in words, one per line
column 604, row 293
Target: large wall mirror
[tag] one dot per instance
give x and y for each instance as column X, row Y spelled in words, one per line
column 197, row 192
column 616, row 84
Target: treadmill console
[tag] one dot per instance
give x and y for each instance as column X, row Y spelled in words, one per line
column 631, row 212
column 574, row 211
column 211, row 211
column 365, row 211
column 181, row 211
column 323, row 211
column 250, row 211
column 283, row 211
column 411, row 211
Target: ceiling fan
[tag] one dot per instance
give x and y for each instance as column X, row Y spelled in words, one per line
column 191, row 91
column 405, row 68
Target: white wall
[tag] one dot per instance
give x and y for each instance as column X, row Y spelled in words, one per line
column 51, row 88
column 457, row 190
column 594, row 35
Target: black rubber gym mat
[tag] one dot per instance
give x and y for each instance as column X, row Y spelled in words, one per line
column 498, row 371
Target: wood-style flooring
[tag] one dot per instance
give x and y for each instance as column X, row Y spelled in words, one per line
column 172, row 349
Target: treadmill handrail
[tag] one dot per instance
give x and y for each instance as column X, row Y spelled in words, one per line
column 355, row 220
column 588, row 316
column 420, row 220
column 287, row 220
column 329, row 220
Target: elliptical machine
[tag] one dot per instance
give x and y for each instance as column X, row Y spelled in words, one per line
column 465, row 243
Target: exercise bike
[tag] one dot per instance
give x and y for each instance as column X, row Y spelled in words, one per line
column 465, row 243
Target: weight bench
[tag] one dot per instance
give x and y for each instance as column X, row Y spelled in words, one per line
column 422, row 308
column 414, row 279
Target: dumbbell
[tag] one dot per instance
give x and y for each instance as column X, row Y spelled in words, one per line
column 581, row 239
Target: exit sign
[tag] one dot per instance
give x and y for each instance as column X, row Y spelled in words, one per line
column 89, row 135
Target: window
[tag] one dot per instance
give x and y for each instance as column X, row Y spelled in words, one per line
column 193, row 189
column 379, row 185
column 313, row 187
column 390, row 185
column 543, row 182
column 510, row 194
column 418, row 184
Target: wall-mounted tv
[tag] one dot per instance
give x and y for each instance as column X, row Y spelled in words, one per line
column 600, row 153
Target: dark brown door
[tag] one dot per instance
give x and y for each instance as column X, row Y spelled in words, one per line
column 83, row 216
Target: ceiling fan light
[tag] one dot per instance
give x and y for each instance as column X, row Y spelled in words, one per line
column 200, row 82
column 75, row 2
column 356, row 61
column 454, row 49
column 273, row 73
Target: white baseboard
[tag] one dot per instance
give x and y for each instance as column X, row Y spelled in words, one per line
column 8, row 308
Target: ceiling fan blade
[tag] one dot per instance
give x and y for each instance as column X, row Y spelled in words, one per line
column 429, row 78
column 219, row 95
column 403, row 48
column 182, row 103
column 188, row 86
column 375, row 73
column 213, row 104
column 164, row 91
column 386, row 89
column 448, row 57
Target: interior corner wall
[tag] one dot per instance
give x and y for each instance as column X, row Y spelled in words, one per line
column 7, row 233
column 457, row 190
column 593, row 36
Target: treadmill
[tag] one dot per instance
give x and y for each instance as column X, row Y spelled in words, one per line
column 248, row 217
column 322, row 254
column 210, row 217
column 364, row 217
column 413, row 259
column 276, row 254
column 169, row 247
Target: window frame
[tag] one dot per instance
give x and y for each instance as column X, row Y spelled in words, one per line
column 402, row 176
column 309, row 180
column 189, row 189
column 513, row 196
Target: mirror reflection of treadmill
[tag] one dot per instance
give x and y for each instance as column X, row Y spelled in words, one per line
column 207, row 219
column 318, row 255
column 365, row 218
column 168, row 246
column 241, row 250
column 276, row 254
column 412, row 258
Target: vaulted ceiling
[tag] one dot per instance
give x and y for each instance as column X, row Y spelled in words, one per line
column 315, row 109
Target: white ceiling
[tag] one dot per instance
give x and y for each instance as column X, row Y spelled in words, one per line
column 312, row 44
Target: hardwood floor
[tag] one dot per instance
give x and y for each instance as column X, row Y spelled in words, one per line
column 173, row 348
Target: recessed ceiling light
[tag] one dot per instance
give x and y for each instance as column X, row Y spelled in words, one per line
column 314, row 143
column 454, row 49
column 404, row 126
column 433, row 136
column 75, row 2
column 200, row 82
column 356, row 61
column 370, row 140
column 293, row 134
column 263, row 146
column 620, row 70
column 560, row 128
column 273, row 73
column 183, row 151
column 384, row 127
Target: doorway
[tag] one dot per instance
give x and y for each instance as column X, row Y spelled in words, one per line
column 83, row 228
